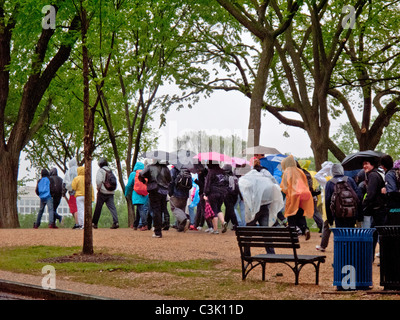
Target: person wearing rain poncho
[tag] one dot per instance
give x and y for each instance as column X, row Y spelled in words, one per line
column 262, row 198
column 299, row 201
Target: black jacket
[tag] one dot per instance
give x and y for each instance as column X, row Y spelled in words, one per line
column 374, row 201
column 56, row 188
column 157, row 175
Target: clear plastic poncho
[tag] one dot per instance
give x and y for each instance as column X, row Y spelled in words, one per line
column 257, row 189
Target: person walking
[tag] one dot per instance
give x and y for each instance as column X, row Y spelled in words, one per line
column 178, row 197
column 43, row 187
column 158, row 179
column 70, row 174
column 215, row 189
column 199, row 220
column 140, row 201
column 299, row 201
column 104, row 196
column 231, row 196
column 374, row 204
column 349, row 219
column 56, row 192
column 391, row 190
column 78, row 185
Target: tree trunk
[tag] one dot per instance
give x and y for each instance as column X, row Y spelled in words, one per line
column 257, row 96
column 8, row 191
column 88, row 140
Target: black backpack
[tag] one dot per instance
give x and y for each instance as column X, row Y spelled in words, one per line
column 184, row 180
column 110, row 181
column 344, row 201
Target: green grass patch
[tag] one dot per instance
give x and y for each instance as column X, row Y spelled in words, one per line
column 33, row 259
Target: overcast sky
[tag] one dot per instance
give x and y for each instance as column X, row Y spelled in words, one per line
column 226, row 113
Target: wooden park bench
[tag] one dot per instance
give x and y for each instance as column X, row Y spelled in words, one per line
column 273, row 237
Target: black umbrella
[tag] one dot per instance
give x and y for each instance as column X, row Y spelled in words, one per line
column 156, row 154
column 355, row 161
column 183, row 158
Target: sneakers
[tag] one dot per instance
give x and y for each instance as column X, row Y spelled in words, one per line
column 319, row 248
column 53, row 226
column 35, row 226
column 115, row 226
column 94, row 226
column 156, row 235
column 209, row 230
column 144, row 228
column 214, row 232
column 224, row 227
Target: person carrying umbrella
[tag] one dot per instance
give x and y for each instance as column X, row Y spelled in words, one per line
column 158, row 179
column 215, row 189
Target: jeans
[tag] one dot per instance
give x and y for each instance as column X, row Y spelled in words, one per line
column 43, row 203
column 240, row 215
column 108, row 199
column 142, row 211
column 56, row 203
column 262, row 217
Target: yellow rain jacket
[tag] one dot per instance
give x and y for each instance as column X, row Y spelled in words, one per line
column 78, row 184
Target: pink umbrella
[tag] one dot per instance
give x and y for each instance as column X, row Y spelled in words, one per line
column 239, row 161
column 213, row 156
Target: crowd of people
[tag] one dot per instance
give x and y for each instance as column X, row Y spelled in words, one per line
column 250, row 195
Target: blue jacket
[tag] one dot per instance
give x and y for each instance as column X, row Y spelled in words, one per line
column 44, row 186
column 136, row 198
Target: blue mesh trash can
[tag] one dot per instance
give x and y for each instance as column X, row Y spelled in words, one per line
column 352, row 258
column 389, row 254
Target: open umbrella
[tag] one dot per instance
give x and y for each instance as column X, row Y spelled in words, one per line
column 239, row 161
column 213, row 156
column 156, row 154
column 273, row 165
column 182, row 158
column 355, row 160
column 261, row 150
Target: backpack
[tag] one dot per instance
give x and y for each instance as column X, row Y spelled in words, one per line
column 140, row 187
column 222, row 180
column 184, row 180
column 233, row 184
column 397, row 174
column 344, row 201
column 110, row 181
column 44, row 188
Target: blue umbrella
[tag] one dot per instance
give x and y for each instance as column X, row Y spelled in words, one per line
column 273, row 164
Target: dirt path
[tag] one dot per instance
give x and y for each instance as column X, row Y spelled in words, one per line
column 175, row 246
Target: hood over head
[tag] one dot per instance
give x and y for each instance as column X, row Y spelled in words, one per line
column 288, row 162
column 72, row 163
column 53, row 172
column 337, row 170
column 103, row 163
column 138, row 166
column 45, row 173
column 81, row 171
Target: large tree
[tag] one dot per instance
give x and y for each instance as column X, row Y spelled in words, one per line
column 266, row 21
column 30, row 57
